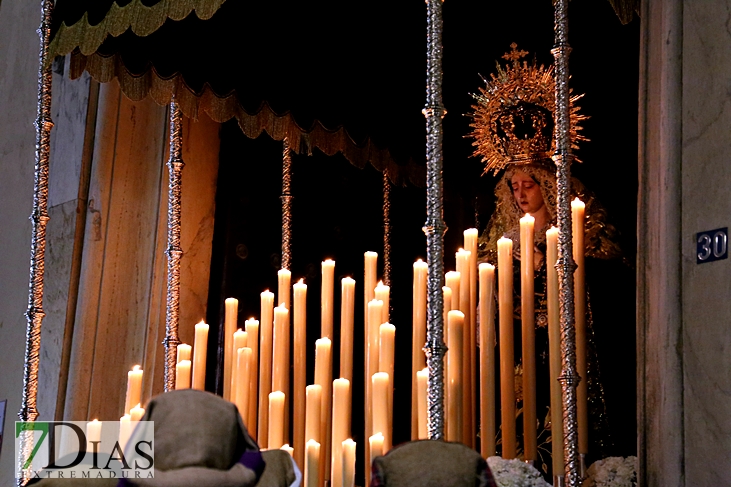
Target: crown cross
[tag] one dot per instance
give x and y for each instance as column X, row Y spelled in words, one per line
column 514, row 54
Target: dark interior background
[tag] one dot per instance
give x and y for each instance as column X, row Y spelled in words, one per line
column 337, row 207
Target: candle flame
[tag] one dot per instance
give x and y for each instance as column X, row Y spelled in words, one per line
column 301, row 281
column 380, row 283
column 136, row 367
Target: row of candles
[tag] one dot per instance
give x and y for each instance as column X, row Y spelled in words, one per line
column 256, row 365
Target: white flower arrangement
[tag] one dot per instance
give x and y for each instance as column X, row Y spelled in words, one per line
column 612, row 472
column 515, row 473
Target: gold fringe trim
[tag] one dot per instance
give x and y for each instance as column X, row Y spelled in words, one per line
column 221, row 109
column 143, row 21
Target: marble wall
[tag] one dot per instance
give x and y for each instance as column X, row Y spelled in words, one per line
column 706, row 196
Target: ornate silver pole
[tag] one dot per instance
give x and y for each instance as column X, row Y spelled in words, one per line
column 39, row 218
column 434, row 112
column 569, row 378
column 286, row 204
column 386, row 230
column 174, row 252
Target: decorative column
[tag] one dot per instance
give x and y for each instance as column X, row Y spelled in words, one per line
column 434, row 228
column 39, row 218
column 565, row 264
column 287, row 199
column 386, row 230
column 173, row 251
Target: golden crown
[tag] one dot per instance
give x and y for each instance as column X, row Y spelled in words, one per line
column 513, row 118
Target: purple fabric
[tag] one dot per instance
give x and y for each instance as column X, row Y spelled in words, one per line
column 253, row 461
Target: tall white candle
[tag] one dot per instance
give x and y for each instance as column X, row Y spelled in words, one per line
column 252, row 331
column 199, row 356
column 230, row 324
column 528, row 337
column 507, row 364
column 487, row 360
column 386, row 356
column 452, row 278
column 348, row 463
column 347, row 310
column 382, row 293
column 243, row 377
column 422, row 377
column 312, row 464
column 276, row 420
column 240, row 340
column 280, row 351
column 184, row 352
column 455, row 329
column 375, row 442
column 265, row 369
column 125, row 430
column 327, row 298
column 577, row 221
column 418, row 359
column 323, row 378
column 371, row 365
column 380, row 408
column 182, row 375
column 369, row 279
column 313, row 408
column 554, row 349
column 300, row 369
column 463, row 267
column 134, row 388
column 470, row 245
column 284, row 278
column 340, row 429
column 93, row 435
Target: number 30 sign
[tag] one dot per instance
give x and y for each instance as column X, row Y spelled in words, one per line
column 711, row 245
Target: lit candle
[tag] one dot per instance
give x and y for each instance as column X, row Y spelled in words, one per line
column 265, row 369
column 418, row 322
column 452, row 278
column 136, row 413
column 382, row 293
column 348, row 463
column 369, row 279
column 199, row 356
column 554, row 350
column 528, row 336
column 240, row 340
column 313, row 426
column 243, row 378
column 184, row 352
column 380, row 382
column 182, row 375
column 470, row 245
column 455, row 329
column 447, row 292
column 462, row 259
column 252, row 331
column 347, row 310
column 284, row 278
column 340, row 429
column 487, row 360
column 422, row 376
column 323, row 378
column 134, row 388
column 386, row 352
column 300, row 368
column 507, row 364
column 326, row 299
column 93, row 435
column 279, row 347
column 312, row 464
column 288, row 449
column 125, row 430
column 376, row 446
column 276, row 420
column 577, row 223
column 229, row 327
column 371, row 366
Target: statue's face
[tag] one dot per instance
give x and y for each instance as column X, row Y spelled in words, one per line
column 527, row 192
